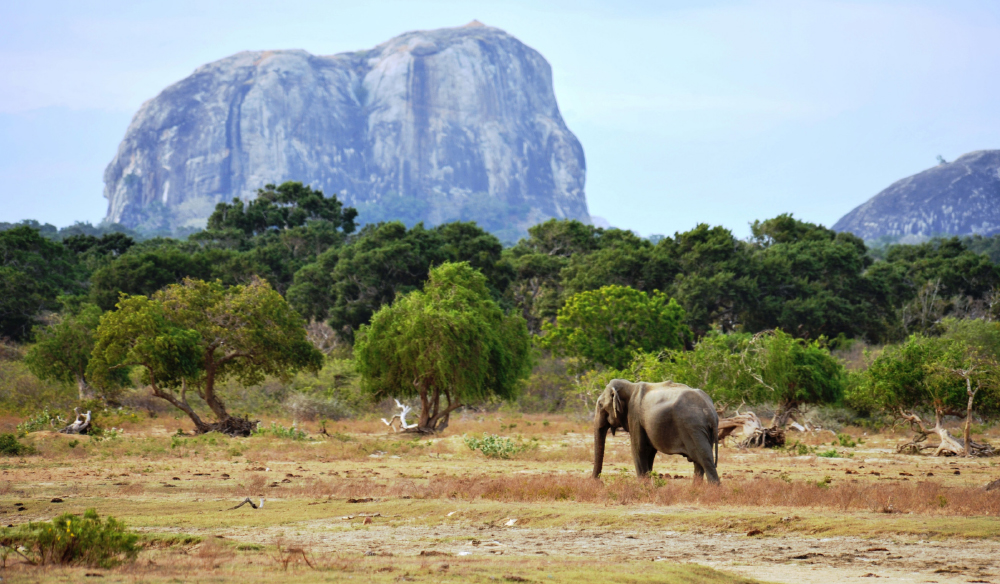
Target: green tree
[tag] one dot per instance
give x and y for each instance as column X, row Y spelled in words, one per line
column 940, row 375
column 347, row 285
column 289, row 205
column 811, row 281
column 61, row 351
column 606, row 326
column 34, row 272
column 538, row 261
column 190, row 336
column 792, row 372
column 931, row 281
column 450, row 340
column 769, row 367
column 709, row 276
column 146, row 268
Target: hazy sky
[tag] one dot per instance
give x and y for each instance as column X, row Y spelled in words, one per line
column 689, row 112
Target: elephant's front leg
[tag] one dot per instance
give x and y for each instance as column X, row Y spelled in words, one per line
column 699, row 473
column 643, row 452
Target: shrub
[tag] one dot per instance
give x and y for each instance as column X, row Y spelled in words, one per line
column 846, row 441
column 44, row 420
column 9, row 446
column 494, row 446
column 303, row 406
column 69, row 539
column 279, row 431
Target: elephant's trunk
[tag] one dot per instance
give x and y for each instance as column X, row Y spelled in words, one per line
column 601, row 426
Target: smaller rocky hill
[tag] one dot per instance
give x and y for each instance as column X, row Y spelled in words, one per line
column 953, row 198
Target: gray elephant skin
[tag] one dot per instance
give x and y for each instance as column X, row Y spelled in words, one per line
column 660, row 417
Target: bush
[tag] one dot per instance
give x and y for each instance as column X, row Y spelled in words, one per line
column 44, row 420
column 279, row 431
column 69, row 539
column 494, row 446
column 303, row 406
column 9, row 446
column 21, row 391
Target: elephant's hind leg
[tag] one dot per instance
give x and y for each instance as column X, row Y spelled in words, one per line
column 705, row 466
column 643, row 453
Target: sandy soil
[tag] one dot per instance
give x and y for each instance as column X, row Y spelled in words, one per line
column 798, row 560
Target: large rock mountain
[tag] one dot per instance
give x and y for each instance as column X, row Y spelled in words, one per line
column 458, row 123
column 953, row 198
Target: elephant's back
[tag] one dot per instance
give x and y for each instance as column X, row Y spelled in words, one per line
column 676, row 399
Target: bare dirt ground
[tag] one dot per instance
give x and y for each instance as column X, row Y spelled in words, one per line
column 792, row 559
column 860, row 514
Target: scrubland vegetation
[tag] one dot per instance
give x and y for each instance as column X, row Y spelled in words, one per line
column 262, row 358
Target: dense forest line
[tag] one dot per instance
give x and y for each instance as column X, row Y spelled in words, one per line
column 802, row 278
column 334, row 318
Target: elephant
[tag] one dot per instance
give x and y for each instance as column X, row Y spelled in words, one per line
column 666, row 417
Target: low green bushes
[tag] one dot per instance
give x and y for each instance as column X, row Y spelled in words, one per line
column 9, row 446
column 494, row 446
column 70, row 539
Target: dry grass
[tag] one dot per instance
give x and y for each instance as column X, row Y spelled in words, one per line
column 926, row 497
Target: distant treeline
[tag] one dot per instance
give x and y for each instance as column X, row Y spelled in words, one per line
column 791, row 275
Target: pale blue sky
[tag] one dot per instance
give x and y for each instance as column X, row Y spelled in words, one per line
column 717, row 112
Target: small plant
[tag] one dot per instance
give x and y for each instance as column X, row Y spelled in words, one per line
column 73, row 443
column 69, row 539
column 279, row 431
column 832, row 453
column 825, row 483
column 9, row 446
column 44, row 420
column 846, row 441
column 784, row 477
column 494, row 446
column 103, row 434
column 942, row 501
column 799, row 449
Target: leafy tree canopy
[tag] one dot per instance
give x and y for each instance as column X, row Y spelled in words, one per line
column 347, row 285
column 289, row 205
column 34, row 272
column 190, row 336
column 450, row 340
column 61, row 351
column 605, row 326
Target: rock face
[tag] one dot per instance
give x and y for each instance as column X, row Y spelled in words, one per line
column 457, row 123
column 956, row 198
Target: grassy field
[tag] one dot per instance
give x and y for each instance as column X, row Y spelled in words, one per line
column 364, row 505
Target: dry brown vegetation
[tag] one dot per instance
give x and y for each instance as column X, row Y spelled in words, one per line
column 434, row 495
column 924, row 497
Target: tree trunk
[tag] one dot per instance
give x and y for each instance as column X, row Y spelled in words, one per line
column 213, row 401
column 968, row 416
column 432, row 419
column 82, row 387
column 181, row 404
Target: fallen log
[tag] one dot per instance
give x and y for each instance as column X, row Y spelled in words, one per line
column 755, row 435
column 948, row 445
column 80, row 426
column 247, row 501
